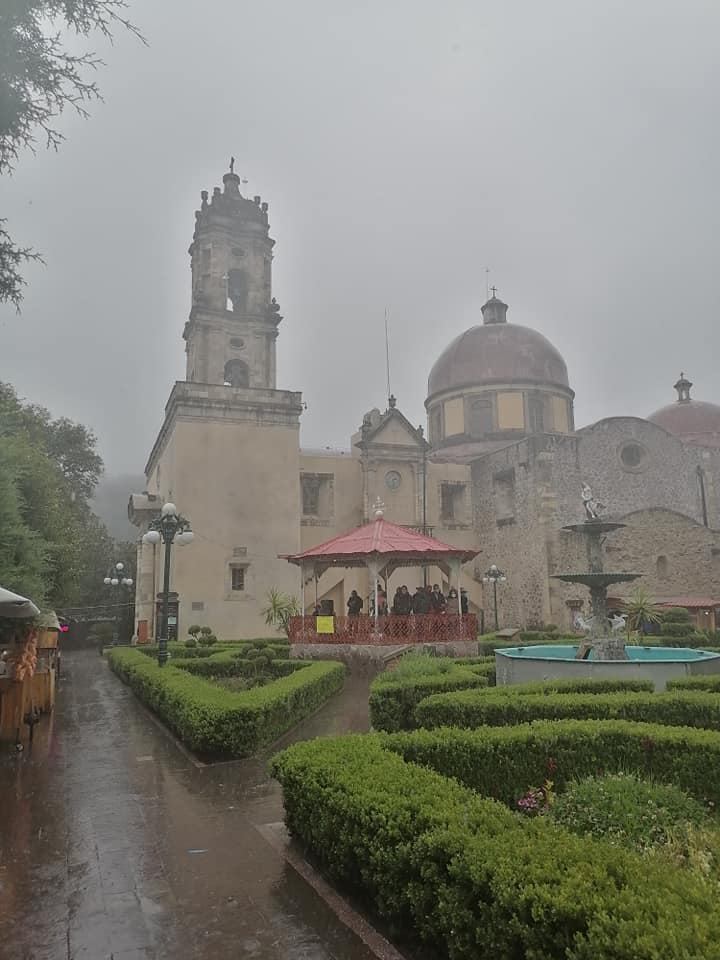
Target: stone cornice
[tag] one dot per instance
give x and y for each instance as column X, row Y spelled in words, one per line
column 221, row 404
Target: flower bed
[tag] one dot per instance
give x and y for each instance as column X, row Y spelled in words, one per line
column 220, row 723
column 511, row 705
column 470, row 878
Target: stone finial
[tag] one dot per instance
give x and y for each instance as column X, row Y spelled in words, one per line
column 392, row 401
column 683, row 387
column 379, row 508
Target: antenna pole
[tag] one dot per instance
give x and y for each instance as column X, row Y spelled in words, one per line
column 487, row 283
column 387, row 349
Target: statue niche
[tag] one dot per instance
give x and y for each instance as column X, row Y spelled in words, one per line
column 237, row 374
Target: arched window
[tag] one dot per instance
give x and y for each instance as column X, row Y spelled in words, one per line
column 481, row 417
column 237, row 374
column 661, row 566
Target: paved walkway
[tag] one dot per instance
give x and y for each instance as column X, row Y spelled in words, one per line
column 114, row 844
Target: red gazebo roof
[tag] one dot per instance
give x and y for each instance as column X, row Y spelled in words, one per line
column 384, row 542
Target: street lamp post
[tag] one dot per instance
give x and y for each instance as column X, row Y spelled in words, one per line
column 168, row 527
column 495, row 576
column 117, row 578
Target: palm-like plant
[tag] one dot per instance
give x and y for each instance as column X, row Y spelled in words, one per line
column 280, row 607
column 640, row 609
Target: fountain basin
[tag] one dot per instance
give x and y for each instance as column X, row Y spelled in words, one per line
column 557, row 662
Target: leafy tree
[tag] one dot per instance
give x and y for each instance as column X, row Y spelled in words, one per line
column 53, row 466
column 39, row 78
column 23, row 552
column 280, row 607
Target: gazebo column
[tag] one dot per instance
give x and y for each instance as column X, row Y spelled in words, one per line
column 456, row 565
column 373, row 567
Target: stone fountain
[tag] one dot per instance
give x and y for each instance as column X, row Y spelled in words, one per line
column 601, row 642
column 602, row 654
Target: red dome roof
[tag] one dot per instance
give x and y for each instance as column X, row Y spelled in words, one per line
column 498, row 353
column 691, row 420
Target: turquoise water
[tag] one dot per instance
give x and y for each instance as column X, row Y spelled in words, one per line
column 564, row 652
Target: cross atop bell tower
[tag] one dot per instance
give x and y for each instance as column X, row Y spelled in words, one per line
column 233, row 325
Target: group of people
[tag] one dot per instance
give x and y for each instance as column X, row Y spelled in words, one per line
column 425, row 600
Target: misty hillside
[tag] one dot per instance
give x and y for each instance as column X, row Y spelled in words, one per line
column 111, row 500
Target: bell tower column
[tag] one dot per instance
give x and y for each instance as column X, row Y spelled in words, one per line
column 233, row 325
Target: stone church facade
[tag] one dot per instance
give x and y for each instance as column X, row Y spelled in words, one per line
column 499, row 469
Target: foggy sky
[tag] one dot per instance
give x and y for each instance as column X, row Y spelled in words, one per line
column 403, row 146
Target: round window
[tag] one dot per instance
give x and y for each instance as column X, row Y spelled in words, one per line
column 632, row 456
column 392, row 479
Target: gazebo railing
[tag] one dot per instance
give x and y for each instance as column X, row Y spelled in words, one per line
column 423, row 628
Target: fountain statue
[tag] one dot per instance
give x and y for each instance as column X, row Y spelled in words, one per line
column 604, row 640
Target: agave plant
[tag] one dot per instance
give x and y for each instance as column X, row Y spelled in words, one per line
column 640, row 609
column 280, row 607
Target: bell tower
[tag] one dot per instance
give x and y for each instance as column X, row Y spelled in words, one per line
column 233, row 325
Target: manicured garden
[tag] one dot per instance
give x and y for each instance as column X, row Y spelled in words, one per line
column 228, row 700
column 573, row 819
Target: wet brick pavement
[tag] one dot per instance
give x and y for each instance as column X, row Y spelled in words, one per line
column 114, row 844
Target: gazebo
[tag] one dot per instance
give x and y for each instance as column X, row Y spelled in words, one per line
column 383, row 547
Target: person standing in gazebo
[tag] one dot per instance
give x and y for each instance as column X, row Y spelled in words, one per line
column 354, row 606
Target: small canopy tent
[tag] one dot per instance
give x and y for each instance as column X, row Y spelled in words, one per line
column 383, row 547
column 13, row 606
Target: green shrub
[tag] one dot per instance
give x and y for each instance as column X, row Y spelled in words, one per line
column 217, row 722
column 625, row 810
column 471, row 879
column 190, row 643
column 495, row 707
column 675, row 615
column 503, row 762
column 394, row 694
column 709, row 682
column 676, row 629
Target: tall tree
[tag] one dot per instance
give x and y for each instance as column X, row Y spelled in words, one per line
column 23, row 561
column 52, row 467
column 39, row 78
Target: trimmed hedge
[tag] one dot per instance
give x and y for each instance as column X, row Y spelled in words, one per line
column 221, row 723
column 709, row 682
column 503, row 762
column 470, row 878
column 394, row 696
column 495, row 707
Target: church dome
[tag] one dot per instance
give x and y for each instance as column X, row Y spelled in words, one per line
column 694, row 421
column 497, row 352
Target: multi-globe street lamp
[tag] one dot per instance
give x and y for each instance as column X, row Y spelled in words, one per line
column 117, row 578
column 168, row 527
column 494, row 576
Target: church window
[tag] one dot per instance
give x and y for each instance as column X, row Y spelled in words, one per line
column 236, row 374
column 504, row 496
column 236, row 289
column 452, row 502
column 632, row 456
column 703, row 496
column 238, row 578
column 560, row 414
column 317, row 492
column 237, row 342
column 481, row 417
column 311, row 495
column 536, row 413
column 661, row 567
